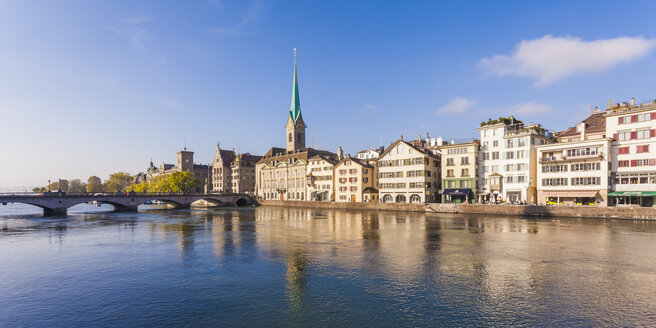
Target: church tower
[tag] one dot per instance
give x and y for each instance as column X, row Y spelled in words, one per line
column 295, row 126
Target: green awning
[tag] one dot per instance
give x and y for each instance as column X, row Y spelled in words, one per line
column 633, row 193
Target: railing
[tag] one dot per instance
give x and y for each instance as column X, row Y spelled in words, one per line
column 98, row 194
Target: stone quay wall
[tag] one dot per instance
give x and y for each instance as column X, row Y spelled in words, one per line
column 619, row 212
column 346, row 205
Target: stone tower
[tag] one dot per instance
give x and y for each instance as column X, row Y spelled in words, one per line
column 295, row 127
column 186, row 161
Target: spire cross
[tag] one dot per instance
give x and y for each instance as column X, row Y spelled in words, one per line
column 294, row 52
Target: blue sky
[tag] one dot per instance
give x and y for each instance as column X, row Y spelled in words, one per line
column 94, row 87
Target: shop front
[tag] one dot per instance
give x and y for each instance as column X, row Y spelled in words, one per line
column 463, row 195
column 576, row 197
column 640, row 198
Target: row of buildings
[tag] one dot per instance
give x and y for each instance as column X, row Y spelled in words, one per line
column 606, row 159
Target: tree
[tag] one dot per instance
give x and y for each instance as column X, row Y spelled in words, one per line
column 118, row 182
column 182, row 181
column 76, row 185
column 59, row 185
column 94, row 184
column 171, row 183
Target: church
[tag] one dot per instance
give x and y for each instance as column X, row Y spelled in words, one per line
column 282, row 173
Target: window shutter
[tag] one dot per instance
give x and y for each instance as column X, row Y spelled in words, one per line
column 652, row 161
column 620, row 120
column 634, row 162
column 634, row 118
column 652, row 132
column 615, row 136
column 653, row 116
column 634, row 135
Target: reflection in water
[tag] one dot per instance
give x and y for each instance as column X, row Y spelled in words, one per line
column 297, row 267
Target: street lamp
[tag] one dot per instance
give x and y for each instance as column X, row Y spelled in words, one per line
column 48, row 185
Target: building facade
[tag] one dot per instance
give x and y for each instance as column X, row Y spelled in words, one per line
column 507, row 170
column 221, row 170
column 459, row 168
column 320, row 178
column 408, row 174
column 352, row 177
column 575, row 170
column 243, row 173
column 633, row 165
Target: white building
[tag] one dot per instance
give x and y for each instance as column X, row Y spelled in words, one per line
column 575, row 170
column 633, row 129
column 368, row 154
column 320, row 185
column 408, row 174
column 507, row 162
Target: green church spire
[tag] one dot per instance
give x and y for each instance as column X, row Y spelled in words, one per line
column 295, row 108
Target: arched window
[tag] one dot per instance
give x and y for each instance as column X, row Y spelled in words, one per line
column 415, row 199
column 387, row 199
column 290, row 137
column 400, row 198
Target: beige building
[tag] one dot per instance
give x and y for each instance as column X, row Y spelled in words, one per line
column 459, row 167
column 221, row 170
column 243, row 173
column 320, row 178
column 282, row 172
column 352, row 177
column 185, row 164
column 575, row 170
column 408, row 174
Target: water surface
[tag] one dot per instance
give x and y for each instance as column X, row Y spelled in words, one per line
column 270, row 266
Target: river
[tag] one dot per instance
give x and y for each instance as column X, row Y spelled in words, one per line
column 281, row 267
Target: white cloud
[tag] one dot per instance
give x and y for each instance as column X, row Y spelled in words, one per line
column 456, row 105
column 529, row 108
column 369, row 108
column 552, row 58
column 132, row 29
column 240, row 29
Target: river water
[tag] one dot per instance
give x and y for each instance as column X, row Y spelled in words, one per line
column 274, row 267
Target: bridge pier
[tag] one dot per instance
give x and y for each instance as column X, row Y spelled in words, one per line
column 54, row 211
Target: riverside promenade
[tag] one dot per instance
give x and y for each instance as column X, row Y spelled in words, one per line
column 619, row 212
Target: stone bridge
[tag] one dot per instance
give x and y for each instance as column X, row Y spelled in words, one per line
column 57, row 203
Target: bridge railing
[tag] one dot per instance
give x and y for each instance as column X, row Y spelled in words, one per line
column 99, row 194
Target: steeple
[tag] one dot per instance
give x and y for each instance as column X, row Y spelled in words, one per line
column 295, row 108
column 295, row 126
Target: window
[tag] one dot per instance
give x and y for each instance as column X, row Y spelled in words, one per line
column 642, row 148
column 495, row 143
column 521, row 154
column 521, row 179
column 449, row 173
column 553, row 168
column 510, row 155
column 577, row 152
column 495, row 155
column 449, row 161
column 623, row 163
column 586, row 167
column 554, row 182
column 464, row 184
column 464, row 160
column 587, row 181
column 623, row 150
column 486, row 156
column 465, row 172
column 642, row 134
column 622, row 136
column 495, row 168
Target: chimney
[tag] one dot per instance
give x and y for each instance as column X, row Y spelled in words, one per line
column 401, row 137
column 440, row 141
column 419, row 138
column 632, row 102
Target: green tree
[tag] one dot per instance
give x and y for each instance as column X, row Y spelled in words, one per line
column 118, row 182
column 182, row 181
column 94, row 184
column 59, row 185
column 76, row 185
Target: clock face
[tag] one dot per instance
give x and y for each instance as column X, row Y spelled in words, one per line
column 187, row 160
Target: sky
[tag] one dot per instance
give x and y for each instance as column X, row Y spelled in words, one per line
column 95, row 87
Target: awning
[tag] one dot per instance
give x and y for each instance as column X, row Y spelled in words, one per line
column 633, row 193
column 572, row 193
column 457, row 192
